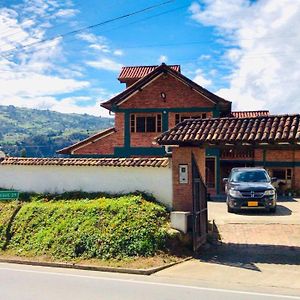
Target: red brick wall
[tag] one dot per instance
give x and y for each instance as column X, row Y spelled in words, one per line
column 144, row 139
column 106, row 144
column 177, row 93
column 258, row 155
column 279, row 155
column 182, row 192
column 296, row 178
column 282, row 155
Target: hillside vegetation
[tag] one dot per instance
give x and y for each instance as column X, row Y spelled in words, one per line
column 40, row 133
column 127, row 226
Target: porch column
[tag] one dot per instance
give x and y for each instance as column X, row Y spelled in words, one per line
column 182, row 191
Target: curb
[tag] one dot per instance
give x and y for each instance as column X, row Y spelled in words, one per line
column 93, row 268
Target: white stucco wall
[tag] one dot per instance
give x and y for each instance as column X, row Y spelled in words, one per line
column 58, row 179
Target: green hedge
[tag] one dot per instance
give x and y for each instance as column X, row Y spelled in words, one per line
column 7, row 210
column 102, row 228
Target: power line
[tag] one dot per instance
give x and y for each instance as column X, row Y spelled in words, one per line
column 86, row 27
column 13, row 32
column 122, row 26
column 45, row 46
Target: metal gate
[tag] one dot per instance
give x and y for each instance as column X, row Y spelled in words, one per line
column 199, row 208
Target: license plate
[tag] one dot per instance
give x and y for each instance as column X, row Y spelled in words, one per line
column 252, row 203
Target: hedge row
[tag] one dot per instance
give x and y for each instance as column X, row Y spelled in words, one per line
column 102, row 228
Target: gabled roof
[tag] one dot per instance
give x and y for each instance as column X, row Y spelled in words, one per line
column 163, row 68
column 137, row 72
column 277, row 129
column 90, row 139
column 95, row 162
column 250, row 113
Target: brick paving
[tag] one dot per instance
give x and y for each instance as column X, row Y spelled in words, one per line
column 287, row 235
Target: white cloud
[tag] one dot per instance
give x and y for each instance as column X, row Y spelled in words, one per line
column 201, row 79
column 88, row 37
column 98, row 43
column 65, row 105
column 36, row 85
column 118, row 52
column 163, row 59
column 265, row 41
column 105, row 64
column 69, row 12
column 205, row 57
column 34, row 77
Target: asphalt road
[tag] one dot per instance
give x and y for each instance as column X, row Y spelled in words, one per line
column 30, row 283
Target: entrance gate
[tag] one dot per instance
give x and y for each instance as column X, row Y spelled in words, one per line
column 199, row 208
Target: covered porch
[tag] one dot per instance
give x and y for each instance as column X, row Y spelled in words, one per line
column 271, row 142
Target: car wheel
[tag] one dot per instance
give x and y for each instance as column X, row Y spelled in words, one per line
column 230, row 209
column 272, row 209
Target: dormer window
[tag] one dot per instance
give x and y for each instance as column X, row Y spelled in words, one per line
column 181, row 117
column 145, row 123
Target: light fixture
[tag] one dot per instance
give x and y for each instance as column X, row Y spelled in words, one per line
column 163, row 96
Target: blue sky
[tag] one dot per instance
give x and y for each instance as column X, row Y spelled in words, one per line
column 245, row 51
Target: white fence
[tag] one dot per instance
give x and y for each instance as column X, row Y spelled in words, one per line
column 57, row 179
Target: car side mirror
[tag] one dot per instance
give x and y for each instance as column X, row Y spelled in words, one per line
column 273, row 179
column 225, row 180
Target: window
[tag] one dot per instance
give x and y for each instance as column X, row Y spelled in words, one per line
column 279, row 174
column 282, row 174
column 151, row 124
column 140, row 124
column 145, row 123
column 179, row 118
column 132, row 123
column 158, row 123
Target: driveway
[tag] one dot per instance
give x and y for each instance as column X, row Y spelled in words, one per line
column 288, row 212
column 257, row 251
column 253, row 227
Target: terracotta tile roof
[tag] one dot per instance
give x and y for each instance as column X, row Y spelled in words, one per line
column 163, row 68
column 97, row 162
column 271, row 129
column 97, row 136
column 137, row 72
column 250, row 114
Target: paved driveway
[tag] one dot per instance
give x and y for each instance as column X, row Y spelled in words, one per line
column 288, row 212
column 254, row 227
column 259, row 251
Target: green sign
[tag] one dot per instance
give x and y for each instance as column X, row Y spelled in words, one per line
column 9, row 195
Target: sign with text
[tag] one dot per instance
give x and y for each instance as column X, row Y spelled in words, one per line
column 9, row 195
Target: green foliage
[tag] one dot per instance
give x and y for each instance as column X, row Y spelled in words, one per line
column 40, row 133
column 103, row 228
column 7, row 210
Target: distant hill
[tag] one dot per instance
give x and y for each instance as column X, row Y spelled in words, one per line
column 39, row 133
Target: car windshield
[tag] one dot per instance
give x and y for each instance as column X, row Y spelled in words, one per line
column 249, row 176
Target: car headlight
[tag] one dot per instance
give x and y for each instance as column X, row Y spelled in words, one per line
column 269, row 192
column 235, row 193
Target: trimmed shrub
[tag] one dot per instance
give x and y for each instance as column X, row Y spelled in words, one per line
column 7, row 210
column 103, row 228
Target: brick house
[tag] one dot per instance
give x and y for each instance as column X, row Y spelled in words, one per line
column 159, row 98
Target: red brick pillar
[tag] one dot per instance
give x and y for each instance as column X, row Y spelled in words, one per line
column 296, row 175
column 182, row 192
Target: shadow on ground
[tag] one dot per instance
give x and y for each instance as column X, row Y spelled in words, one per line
column 281, row 211
column 246, row 256
column 222, row 198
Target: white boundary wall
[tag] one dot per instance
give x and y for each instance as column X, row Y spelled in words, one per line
column 57, row 179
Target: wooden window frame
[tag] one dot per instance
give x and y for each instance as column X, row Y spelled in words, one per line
column 181, row 117
column 133, row 122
